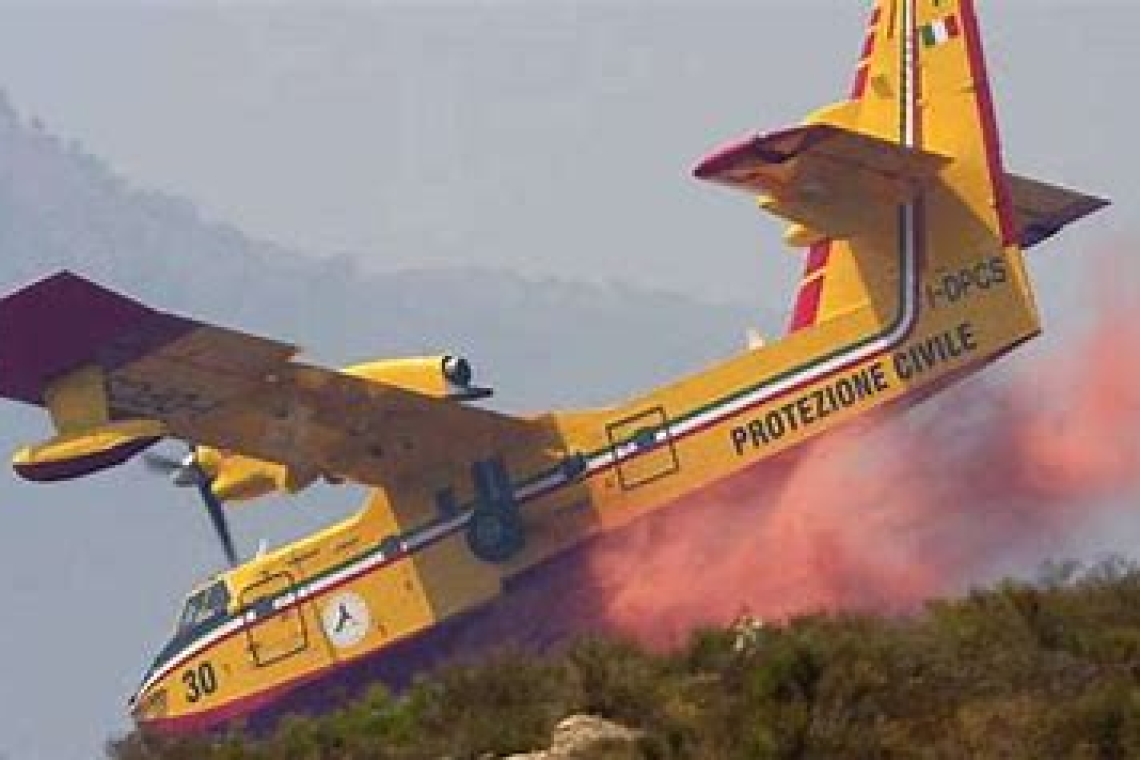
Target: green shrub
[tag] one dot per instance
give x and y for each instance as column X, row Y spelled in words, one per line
column 1019, row 671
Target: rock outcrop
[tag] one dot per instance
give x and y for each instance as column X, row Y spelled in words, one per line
column 585, row 737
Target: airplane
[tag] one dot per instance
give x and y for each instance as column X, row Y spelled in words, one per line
column 913, row 236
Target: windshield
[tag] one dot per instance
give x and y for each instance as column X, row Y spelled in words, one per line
column 208, row 604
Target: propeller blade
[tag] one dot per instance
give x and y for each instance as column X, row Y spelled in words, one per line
column 218, row 518
column 188, row 472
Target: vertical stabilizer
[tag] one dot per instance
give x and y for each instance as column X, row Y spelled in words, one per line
column 921, row 83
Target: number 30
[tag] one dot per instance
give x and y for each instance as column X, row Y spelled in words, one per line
column 200, row 682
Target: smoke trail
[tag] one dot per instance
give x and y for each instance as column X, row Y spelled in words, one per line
column 994, row 475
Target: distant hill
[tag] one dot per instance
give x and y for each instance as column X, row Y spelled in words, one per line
column 542, row 341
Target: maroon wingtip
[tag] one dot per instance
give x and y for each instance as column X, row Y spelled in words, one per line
column 64, row 321
column 724, row 158
column 771, row 148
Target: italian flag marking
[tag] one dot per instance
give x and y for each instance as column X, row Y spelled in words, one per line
column 941, row 31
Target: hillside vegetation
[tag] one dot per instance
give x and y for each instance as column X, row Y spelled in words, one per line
column 1048, row 670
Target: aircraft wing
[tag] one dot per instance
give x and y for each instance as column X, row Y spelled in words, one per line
column 227, row 389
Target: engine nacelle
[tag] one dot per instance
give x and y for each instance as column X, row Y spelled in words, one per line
column 445, row 376
column 235, row 477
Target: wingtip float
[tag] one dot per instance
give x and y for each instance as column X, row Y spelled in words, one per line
column 914, row 277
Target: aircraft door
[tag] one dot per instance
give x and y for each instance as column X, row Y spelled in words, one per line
column 643, row 447
column 274, row 620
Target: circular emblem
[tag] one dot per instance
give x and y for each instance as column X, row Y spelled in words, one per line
column 345, row 619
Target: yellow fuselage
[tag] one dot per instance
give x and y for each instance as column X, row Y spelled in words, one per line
column 383, row 582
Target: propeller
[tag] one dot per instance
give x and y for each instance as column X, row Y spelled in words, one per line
column 186, row 472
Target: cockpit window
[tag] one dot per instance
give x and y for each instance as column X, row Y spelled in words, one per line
column 206, row 605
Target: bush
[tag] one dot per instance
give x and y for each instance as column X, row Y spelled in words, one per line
column 1045, row 670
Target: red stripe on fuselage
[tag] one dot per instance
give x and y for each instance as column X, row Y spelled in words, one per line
column 859, row 86
column 818, row 256
column 810, row 295
column 868, row 46
column 807, row 304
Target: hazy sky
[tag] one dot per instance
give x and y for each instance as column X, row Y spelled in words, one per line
column 548, row 137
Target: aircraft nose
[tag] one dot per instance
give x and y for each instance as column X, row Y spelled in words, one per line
column 147, row 705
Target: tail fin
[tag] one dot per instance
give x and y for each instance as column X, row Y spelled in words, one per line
column 922, row 82
column 903, row 182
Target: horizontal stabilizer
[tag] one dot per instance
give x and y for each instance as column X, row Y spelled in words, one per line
column 808, row 161
column 820, row 176
column 1043, row 210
